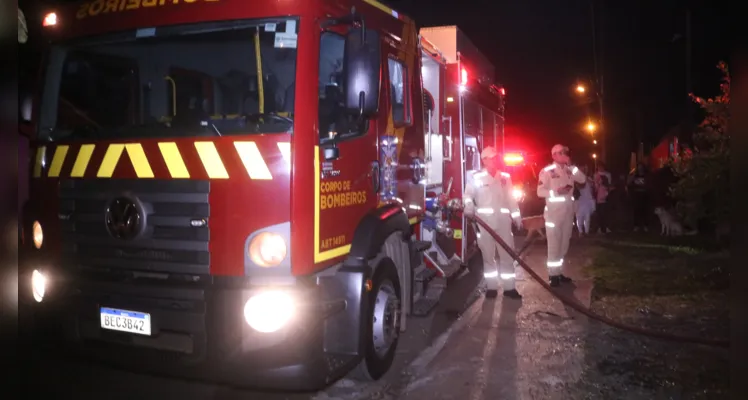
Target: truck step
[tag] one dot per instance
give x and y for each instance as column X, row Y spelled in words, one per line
column 453, row 270
column 425, row 275
column 421, row 245
column 427, row 303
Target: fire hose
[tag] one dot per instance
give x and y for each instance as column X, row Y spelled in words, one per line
column 580, row 308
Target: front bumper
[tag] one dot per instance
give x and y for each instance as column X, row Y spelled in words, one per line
column 199, row 332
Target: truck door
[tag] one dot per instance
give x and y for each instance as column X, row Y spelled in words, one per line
column 402, row 141
column 345, row 187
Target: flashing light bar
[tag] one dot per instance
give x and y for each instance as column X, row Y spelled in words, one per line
column 464, row 77
column 512, row 159
column 50, row 19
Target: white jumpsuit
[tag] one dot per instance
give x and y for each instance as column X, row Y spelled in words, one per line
column 585, row 206
column 559, row 211
column 490, row 198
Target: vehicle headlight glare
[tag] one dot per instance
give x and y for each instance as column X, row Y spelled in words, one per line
column 267, row 249
column 267, row 312
column 37, row 234
column 38, row 285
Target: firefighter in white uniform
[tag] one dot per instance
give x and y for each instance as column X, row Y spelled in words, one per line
column 489, row 196
column 556, row 185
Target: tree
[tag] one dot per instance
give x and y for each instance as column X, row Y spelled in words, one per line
column 702, row 191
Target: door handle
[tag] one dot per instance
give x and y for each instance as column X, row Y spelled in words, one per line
column 418, row 168
column 375, row 176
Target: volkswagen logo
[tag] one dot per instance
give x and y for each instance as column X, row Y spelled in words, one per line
column 123, row 219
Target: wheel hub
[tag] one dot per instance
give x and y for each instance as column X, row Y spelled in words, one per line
column 386, row 318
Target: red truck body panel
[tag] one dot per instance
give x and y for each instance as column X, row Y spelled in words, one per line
column 324, row 211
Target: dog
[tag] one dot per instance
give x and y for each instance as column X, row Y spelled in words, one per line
column 670, row 224
column 534, row 224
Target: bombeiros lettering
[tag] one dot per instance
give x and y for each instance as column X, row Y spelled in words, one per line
column 334, row 194
column 100, row 7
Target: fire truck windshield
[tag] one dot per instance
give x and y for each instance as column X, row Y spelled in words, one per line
column 174, row 81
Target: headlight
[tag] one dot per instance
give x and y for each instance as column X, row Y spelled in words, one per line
column 518, row 193
column 38, row 234
column 267, row 249
column 38, row 285
column 269, row 311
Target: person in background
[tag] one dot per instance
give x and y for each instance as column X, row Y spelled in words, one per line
column 602, row 185
column 637, row 186
column 585, row 204
column 556, row 186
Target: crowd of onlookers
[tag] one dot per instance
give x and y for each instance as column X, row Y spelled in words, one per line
column 607, row 203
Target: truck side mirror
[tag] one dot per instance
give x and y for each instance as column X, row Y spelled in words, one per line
column 362, row 72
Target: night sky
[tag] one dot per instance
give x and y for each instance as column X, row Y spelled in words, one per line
column 542, row 48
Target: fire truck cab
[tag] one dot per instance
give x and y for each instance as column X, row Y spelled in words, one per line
column 247, row 194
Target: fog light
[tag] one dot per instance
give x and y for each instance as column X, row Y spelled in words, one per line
column 37, row 234
column 270, row 311
column 38, row 285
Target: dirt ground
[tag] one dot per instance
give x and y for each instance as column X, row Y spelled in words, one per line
column 669, row 285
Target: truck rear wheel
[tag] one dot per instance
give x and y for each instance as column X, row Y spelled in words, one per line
column 382, row 323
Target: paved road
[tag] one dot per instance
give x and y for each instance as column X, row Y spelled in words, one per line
column 67, row 379
column 529, row 349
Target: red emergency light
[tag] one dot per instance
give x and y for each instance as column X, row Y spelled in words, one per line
column 464, row 77
column 513, row 159
column 502, row 91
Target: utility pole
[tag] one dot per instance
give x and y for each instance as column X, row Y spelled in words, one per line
column 599, row 76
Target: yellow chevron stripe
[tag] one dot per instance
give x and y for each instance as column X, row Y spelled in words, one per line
column 40, row 153
column 81, row 161
column 252, row 160
column 113, row 153
column 57, row 160
column 285, row 149
column 173, row 160
column 139, row 160
column 211, row 160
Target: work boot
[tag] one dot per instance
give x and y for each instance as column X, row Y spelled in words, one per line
column 564, row 279
column 555, row 282
column 512, row 294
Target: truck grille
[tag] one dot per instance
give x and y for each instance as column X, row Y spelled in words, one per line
column 168, row 244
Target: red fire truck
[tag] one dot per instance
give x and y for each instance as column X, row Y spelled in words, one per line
column 245, row 192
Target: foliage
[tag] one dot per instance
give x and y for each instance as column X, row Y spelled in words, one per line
column 702, row 189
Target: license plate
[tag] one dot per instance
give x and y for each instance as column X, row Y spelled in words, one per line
column 126, row 321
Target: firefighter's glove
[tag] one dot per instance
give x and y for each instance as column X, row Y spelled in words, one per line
column 518, row 222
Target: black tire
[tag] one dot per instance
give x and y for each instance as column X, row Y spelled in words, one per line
column 374, row 364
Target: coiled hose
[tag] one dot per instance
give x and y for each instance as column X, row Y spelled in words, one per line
column 580, row 308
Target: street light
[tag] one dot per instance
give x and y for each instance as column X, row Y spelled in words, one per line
column 594, row 141
column 594, row 155
column 581, row 89
column 591, row 127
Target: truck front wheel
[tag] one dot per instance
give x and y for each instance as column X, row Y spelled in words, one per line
column 382, row 322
